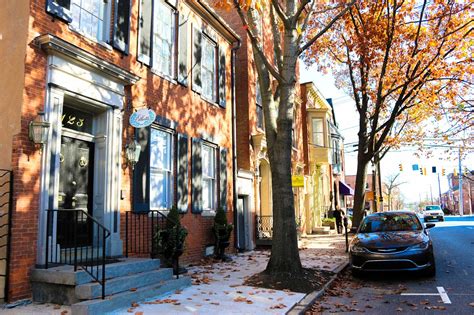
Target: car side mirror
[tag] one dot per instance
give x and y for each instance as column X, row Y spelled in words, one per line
column 429, row 225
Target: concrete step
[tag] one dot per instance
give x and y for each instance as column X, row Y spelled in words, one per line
column 322, row 230
column 125, row 299
column 65, row 275
column 115, row 285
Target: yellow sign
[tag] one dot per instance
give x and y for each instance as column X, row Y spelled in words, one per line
column 297, row 180
column 369, row 196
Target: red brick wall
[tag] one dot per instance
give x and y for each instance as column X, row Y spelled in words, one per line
column 167, row 99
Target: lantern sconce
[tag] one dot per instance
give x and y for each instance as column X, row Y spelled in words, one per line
column 133, row 150
column 38, row 129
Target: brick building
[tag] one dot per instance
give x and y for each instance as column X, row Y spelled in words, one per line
column 450, row 199
column 81, row 69
column 254, row 217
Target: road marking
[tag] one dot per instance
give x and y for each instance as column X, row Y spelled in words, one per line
column 441, row 293
column 444, row 295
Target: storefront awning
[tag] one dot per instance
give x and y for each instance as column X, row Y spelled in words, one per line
column 345, row 189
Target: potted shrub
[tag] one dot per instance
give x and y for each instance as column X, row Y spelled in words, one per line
column 169, row 241
column 331, row 222
column 222, row 231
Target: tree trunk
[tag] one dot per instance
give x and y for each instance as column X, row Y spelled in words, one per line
column 359, row 193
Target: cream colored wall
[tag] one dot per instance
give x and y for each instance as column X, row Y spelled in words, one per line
column 13, row 36
column 265, row 189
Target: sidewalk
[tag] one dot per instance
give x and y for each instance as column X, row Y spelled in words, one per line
column 218, row 288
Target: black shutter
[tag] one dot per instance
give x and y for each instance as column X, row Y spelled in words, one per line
column 221, row 77
column 196, row 176
column 183, row 50
column 144, row 31
column 182, row 173
column 141, row 173
column 121, row 25
column 60, row 9
column 197, row 54
column 223, row 178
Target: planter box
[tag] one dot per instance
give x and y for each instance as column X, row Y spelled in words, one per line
column 332, row 225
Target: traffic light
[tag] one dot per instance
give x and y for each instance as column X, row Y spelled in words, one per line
column 455, row 173
column 423, row 170
column 466, row 171
column 433, row 169
column 400, row 166
column 443, row 172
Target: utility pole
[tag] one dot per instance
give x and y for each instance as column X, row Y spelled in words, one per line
column 439, row 190
column 461, row 201
column 431, row 194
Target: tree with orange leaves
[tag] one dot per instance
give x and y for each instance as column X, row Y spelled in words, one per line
column 403, row 61
column 277, row 75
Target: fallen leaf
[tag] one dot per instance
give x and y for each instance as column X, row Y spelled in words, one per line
column 278, row 306
column 138, row 313
column 64, row 312
column 56, row 307
column 134, row 304
column 399, row 309
column 471, row 304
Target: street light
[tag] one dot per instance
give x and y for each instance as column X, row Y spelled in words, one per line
column 133, row 150
column 38, row 129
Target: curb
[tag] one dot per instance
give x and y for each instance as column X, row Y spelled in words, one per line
column 303, row 305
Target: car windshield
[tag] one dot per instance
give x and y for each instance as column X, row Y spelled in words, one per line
column 432, row 208
column 386, row 222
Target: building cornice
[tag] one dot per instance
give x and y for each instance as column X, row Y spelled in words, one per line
column 214, row 19
column 55, row 45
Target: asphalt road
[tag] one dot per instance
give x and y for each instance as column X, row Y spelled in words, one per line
column 402, row 293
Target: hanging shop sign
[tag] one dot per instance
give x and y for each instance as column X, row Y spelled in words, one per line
column 142, row 118
column 297, row 180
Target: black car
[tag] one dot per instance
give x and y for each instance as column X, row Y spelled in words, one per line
column 392, row 241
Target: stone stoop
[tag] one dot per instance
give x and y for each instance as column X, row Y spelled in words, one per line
column 130, row 280
column 322, row 230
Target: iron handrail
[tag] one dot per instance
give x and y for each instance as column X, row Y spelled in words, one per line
column 6, row 189
column 144, row 243
column 73, row 253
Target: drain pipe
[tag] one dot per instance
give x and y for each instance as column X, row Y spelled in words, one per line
column 236, row 46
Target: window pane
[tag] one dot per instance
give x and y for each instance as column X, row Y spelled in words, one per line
column 208, row 66
column 208, row 176
column 160, row 153
column 318, row 131
column 163, row 38
column 159, row 190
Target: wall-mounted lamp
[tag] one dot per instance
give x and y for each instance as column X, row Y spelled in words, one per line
column 132, row 150
column 38, row 129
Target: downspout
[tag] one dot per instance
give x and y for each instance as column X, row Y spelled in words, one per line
column 236, row 46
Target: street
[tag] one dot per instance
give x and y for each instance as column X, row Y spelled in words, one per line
column 452, row 290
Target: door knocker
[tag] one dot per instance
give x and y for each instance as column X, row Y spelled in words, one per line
column 61, row 158
column 82, row 161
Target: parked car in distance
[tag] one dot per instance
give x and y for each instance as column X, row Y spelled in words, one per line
column 433, row 212
column 392, row 241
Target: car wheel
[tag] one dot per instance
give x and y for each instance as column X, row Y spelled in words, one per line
column 431, row 271
column 356, row 272
column 442, row 219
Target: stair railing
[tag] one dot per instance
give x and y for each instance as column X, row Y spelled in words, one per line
column 140, row 228
column 6, row 204
column 80, row 242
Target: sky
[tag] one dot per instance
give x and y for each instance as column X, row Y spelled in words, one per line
column 416, row 186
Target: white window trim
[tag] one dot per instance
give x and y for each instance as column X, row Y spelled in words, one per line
column 212, row 42
column 106, row 26
column 314, row 132
column 171, row 172
column 211, row 211
column 172, row 76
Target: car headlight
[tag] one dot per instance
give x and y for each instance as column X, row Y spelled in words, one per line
column 358, row 249
column 420, row 246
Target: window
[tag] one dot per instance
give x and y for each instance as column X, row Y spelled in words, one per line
column 160, row 169
column 88, row 18
column 208, row 68
column 163, row 39
column 318, row 132
column 208, row 177
column 258, row 101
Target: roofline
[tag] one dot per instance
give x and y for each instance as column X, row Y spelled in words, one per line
column 213, row 18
